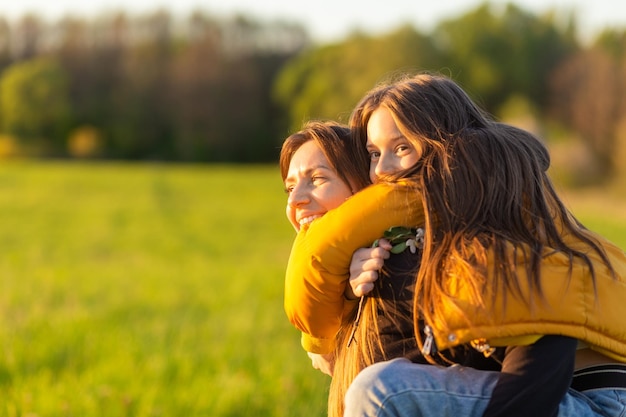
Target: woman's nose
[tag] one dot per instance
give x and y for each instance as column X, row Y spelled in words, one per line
column 297, row 197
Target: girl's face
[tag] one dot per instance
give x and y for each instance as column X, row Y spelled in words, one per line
column 312, row 185
column 390, row 151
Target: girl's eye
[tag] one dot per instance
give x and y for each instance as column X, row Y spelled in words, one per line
column 403, row 149
column 317, row 179
column 289, row 189
column 374, row 155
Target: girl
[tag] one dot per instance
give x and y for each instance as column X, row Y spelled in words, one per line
column 504, row 264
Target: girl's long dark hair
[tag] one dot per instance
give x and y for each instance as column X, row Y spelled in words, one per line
column 484, row 190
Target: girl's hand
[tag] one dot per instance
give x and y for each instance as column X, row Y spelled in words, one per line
column 324, row 363
column 364, row 268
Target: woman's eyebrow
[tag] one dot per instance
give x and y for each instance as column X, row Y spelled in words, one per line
column 307, row 172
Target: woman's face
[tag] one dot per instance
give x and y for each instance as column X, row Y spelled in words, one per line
column 313, row 186
column 390, row 151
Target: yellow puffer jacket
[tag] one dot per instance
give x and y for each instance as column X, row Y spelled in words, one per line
column 570, row 306
column 319, row 264
column 319, row 268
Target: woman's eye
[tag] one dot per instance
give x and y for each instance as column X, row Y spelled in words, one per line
column 374, row 155
column 289, row 189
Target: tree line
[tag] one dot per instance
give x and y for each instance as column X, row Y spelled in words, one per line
column 203, row 88
column 146, row 87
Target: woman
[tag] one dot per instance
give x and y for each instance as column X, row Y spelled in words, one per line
column 504, row 265
column 331, row 317
column 309, row 162
column 318, row 176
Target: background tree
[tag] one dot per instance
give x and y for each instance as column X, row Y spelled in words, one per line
column 34, row 103
column 497, row 57
column 613, row 42
column 499, row 54
column 588, row 95
column 328, row 81
column 29, row 38
column 92, row 56
column 221, row 80
column 5, row 44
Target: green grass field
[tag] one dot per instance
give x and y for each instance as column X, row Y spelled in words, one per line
column 147, row 290
column 155, row 290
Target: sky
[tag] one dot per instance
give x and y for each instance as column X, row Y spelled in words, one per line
column 330, row 20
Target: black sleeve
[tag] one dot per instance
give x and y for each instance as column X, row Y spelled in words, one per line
column 534, row 378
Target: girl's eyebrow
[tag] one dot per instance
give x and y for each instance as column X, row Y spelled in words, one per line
column 397, row 138
column 393, row 139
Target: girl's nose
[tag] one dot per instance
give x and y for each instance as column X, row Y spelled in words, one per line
column 384, row 167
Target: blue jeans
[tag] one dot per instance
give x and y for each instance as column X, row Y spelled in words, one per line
column 403, row 389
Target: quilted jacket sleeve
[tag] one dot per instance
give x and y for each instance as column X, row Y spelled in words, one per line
column 319, row 263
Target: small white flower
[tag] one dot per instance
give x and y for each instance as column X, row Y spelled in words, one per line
column 419, row 237
column 412, row 244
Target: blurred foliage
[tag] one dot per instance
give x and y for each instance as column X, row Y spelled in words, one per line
column 34, row 101
column 85, row 142
column 154, row 86
column 497, row 55
column 588, row 93
column 327, row 82
column 202, row 88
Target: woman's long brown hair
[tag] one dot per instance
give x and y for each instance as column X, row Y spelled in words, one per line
column 334, row 141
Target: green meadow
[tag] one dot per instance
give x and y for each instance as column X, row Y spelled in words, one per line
column 147, row 290
column 156, row 290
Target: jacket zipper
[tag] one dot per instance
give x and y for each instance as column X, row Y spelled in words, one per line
column 429, row 346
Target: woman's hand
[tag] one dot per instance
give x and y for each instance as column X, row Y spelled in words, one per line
column 324, row 363
column 364, row 268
